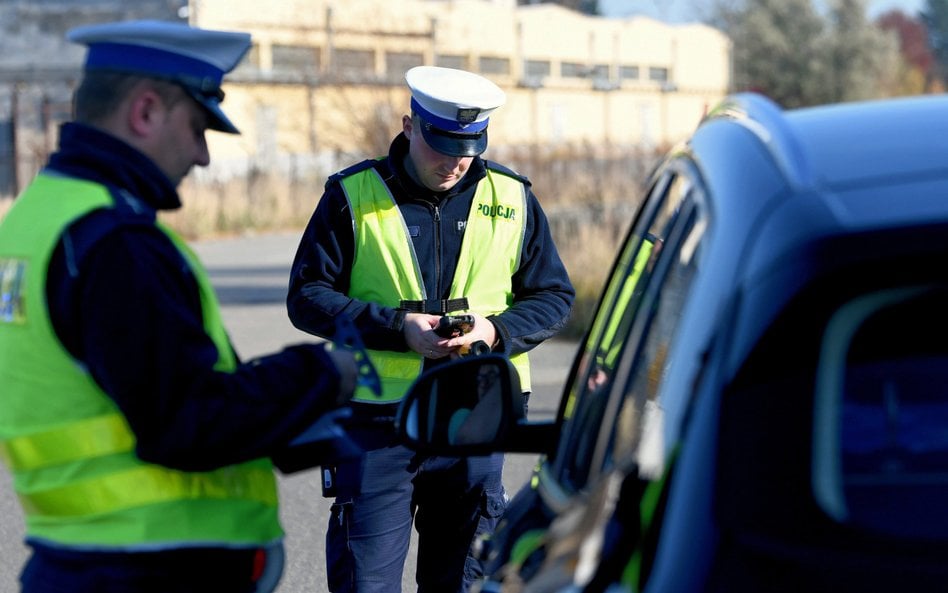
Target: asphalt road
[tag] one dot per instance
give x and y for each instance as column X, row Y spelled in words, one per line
column 250, row 275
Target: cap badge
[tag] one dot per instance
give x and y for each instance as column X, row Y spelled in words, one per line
column 468, row 115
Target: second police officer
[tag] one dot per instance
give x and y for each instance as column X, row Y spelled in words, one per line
column 395, row 243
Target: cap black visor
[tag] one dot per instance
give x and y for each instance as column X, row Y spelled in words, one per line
column 453, row 144
column 211, row 104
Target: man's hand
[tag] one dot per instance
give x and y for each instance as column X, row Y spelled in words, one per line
column 421, row 337
column 483, row 330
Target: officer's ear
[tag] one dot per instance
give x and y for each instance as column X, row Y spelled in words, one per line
column 146, row 110
column 408, row 126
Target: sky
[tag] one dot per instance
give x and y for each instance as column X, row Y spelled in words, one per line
column 681, row 11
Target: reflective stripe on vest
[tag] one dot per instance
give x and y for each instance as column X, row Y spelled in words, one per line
column 68, row 447
column 385, row 267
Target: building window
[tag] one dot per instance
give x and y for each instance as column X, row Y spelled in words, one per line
column 489, row 65
column 295, row 58
column 456, row 62
column 398, row 63
column 629, row 72
column 573, row 70
column 657, row 74
column 536, row 68
column 361, row 61
column 600, row 72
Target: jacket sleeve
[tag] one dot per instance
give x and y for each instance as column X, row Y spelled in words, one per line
column 320, row 279
column 543, row 293
column 130, row 312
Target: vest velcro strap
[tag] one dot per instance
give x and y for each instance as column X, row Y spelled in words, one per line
column 435, row 306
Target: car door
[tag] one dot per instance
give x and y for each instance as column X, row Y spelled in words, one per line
column 598, row 388
column 609, row 402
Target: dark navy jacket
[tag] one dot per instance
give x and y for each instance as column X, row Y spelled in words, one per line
column 124, row 303
column 319, row 281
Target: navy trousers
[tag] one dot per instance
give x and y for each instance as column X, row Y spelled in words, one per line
column 450, row 501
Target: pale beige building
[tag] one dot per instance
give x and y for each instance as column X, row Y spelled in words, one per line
column 325, row 78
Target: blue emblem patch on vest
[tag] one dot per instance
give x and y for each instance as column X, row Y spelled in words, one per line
column 12, row 285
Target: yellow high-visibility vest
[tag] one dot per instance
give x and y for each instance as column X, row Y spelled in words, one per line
column 385, row 267
column 68, row 447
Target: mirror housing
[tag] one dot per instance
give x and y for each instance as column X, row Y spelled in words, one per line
column 469, row 406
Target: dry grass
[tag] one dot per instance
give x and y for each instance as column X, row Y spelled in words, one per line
column 589, row 199
column 589, row 195
column 259, row 203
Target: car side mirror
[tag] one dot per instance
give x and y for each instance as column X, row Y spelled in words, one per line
column 463, row 407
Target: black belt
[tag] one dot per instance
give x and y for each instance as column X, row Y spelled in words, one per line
column 435, row 306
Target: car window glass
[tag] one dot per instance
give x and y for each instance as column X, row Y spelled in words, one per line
column 880, row 442
column 638, row 435
column 589, row 396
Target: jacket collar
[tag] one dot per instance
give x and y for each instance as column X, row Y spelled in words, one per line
column 89, row 153
column 398, row 152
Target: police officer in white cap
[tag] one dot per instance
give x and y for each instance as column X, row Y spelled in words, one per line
column 466, row 236
column 139, row 443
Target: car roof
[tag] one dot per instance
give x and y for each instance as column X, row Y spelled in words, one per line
column 867, row 176
column 848, row 150
column 869, row 142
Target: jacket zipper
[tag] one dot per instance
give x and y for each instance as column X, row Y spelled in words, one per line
column 437, row 252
